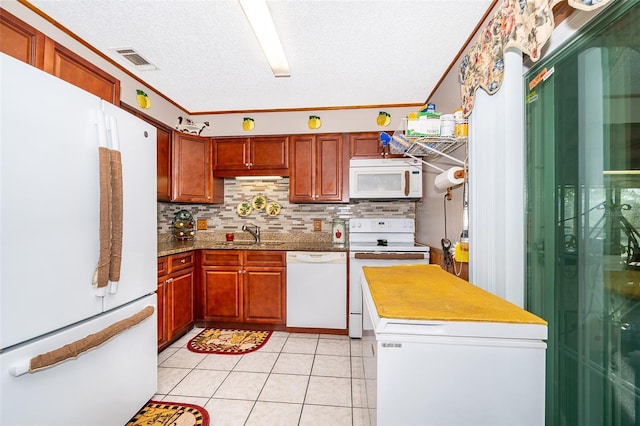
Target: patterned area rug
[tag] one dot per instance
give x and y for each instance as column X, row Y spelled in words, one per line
column 163, row 413
column 223, row 341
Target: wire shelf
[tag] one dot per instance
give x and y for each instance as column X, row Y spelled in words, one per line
column 422, row 148
column 427, row 147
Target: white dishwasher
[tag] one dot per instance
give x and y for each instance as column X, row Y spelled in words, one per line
column 317, row 289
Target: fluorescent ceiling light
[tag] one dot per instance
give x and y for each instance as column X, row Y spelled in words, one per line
column 259, row 18
column 258, row 177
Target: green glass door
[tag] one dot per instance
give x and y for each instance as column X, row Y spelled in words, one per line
column 583, row 217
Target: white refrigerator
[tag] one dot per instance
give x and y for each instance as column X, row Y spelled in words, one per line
column 73, row 351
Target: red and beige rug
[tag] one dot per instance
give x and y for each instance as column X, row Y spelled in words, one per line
column 163, row 413
column 223, row 341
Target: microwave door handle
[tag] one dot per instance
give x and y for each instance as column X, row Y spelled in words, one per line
column 406, row 183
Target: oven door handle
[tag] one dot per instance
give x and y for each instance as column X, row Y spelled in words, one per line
column 398, row 256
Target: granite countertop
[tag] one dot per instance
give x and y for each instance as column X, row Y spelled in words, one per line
column 274, row 241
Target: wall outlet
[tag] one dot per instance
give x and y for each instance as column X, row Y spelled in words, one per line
column 317, row 225
column 202, row 224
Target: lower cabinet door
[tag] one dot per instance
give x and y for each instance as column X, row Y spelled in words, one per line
column 162, row 306
column 264, row 298
column 181, row 288
column 222, row 294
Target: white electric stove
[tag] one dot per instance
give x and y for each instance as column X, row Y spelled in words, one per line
column 378, row 242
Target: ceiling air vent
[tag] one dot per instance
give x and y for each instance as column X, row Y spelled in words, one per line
column 136, row 59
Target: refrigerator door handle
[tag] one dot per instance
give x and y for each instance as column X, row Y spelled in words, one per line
column 77, row 348
column 111, row 207
column 102, row 130
column 116, row 206
column 101, row 272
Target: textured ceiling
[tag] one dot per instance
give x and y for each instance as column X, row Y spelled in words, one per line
column 341, row 53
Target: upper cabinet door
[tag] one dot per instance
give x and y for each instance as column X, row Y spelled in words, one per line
column 230, row 154
column 20, row 40
column 367, row 145
column 264, row 155
column 318, row 167
column 163, row 159
column 302, row 172
column 270, row 153
column 191, row 170
column 23, row 42
column 329, row 167
column 76, row 70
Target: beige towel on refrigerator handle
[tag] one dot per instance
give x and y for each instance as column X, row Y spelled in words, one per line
column 111, row 217
column 101, row 277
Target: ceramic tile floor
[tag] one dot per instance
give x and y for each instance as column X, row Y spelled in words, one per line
column 294, row 379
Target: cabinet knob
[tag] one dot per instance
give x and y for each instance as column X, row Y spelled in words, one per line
column 183, row 260
column 169, row 281
column 247, row 164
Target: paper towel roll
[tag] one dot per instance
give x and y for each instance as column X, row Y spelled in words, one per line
column 448, row 178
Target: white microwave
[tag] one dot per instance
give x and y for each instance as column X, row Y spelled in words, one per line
column 392, row 178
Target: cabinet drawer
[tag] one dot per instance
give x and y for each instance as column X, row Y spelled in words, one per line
column 163, row 265
column 262, row 258
column 181, row 261
column 222, row 257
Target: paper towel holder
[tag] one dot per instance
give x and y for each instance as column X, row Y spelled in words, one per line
column 450, row 178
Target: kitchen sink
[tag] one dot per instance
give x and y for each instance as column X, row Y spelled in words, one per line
column 270, row 243
column 254, row 244
column 241, row 243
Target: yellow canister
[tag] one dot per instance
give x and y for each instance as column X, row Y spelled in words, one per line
column 461, row 129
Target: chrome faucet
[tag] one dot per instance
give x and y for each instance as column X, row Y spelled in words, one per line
column 255, row 231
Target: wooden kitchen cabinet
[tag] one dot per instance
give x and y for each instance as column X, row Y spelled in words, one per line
column 243, row 286
column 20, row 40
column 221, row 292
column 367, row 145
column 72, row 68
column 191, row 173
column 183, row 165
column 163, row 162
column 265, row 281
column 175, row 293
column 256, row 156
column 318, row 168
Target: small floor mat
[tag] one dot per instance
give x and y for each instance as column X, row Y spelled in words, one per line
column 163, row 413
column 223, row 341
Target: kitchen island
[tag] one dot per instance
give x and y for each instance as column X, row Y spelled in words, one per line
column 444, row 352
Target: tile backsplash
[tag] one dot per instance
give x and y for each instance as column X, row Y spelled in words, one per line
column 293, row 217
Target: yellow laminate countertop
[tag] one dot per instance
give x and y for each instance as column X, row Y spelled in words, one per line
column 427, row 292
